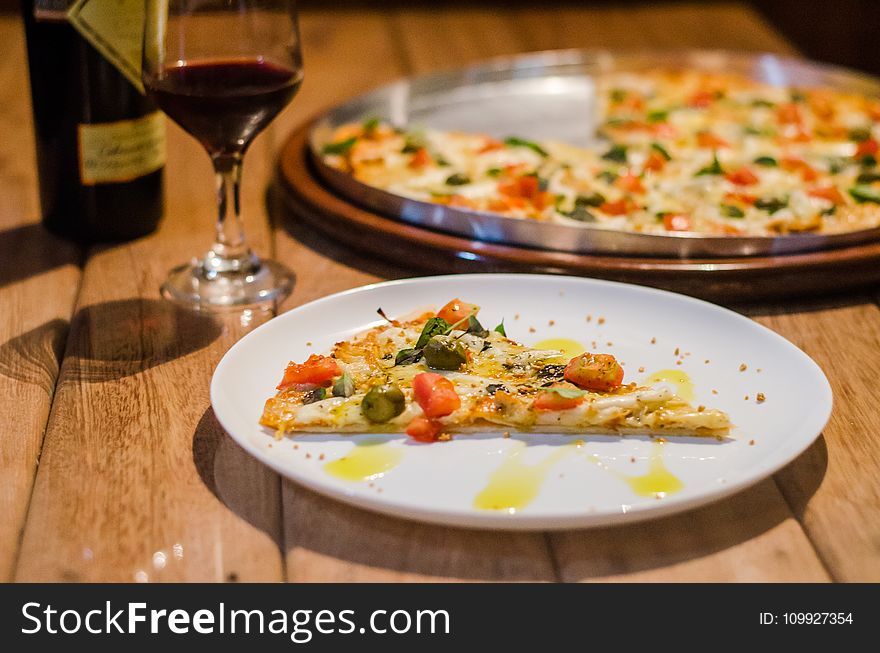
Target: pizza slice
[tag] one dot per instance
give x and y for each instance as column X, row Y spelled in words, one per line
column 444, row 373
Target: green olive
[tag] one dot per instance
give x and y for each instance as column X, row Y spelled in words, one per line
column 382, row 403
column 442, row 353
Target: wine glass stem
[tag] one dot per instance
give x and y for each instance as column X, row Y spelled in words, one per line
column 230, row 252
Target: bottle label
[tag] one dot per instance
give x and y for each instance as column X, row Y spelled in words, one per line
column 114, row 152
column 115, row 28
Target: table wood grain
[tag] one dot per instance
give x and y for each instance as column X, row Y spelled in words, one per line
column 115, row 469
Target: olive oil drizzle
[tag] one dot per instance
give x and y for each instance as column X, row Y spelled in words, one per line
column 367, row 461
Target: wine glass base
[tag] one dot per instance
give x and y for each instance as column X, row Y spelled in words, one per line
column 189, row 285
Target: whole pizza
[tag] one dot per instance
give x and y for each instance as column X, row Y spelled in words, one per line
column 676, row 152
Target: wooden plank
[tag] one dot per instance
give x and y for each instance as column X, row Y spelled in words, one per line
column 751, row 537
column 325, row 540
column 39, row 277
column 137, row 481
column 833, row 488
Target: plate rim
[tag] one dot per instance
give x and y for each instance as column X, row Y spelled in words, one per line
column 520, row 521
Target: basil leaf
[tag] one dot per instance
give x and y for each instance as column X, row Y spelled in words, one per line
column 732, row 211
column 713, row 168
column 515, row 141
column 661, row 150
column 771, row 204
column 500, row 329
column 617, row 153
column 435, row 326
column 580, row 213
column 766, row 161
column 607, row 176
column 408, row 356
column 868, row 178
column 494, row 172
column 567, row 393
column 340, row 147
column 859, row 134
column 314, row 395
column 458, row 179
column 475, row 328
column 660, row 115
column 370, row 124
column 344, row 386
column 868, row 161
column 593, row 199
column 863, row 194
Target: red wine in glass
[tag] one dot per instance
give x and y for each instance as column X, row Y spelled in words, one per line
column 223, row 71
column 224, row 103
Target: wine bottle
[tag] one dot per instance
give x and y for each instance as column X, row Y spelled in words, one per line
column 100, row 140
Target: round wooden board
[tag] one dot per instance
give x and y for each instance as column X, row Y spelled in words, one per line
column 728, row 279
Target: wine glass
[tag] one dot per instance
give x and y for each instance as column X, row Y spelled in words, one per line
column 222, row 70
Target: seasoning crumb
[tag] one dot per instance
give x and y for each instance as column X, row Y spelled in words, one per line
column 660, row 440
column 641, row 369
column 622, row 364
column 593, row 343
column 706, row 361
column 589, row 318
column 308, row 455
column 601, row 320
column 678, row 362
column 444, row 437
column 676, row 352
column 746, row 398
column 632, row 459
column 296, row 446
column 506, row 434
column 714, row 392
column 609, row 344
column 743, row 367
column 516, row 316
column 379, row 490
column 751, row 443
column 532, row 329
column 270, row 445
column 653, row 341
column 701, row 408
column 758, row 370
column 371, row 484
column 309, row 343
column 551, row 322
column 321, row 457
column 760, row 398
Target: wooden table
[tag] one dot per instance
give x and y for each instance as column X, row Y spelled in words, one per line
column 113, row 467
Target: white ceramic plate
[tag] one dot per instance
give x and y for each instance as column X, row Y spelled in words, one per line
column 541, row 481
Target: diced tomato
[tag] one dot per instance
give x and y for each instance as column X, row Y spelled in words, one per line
column 420, row 158
column 435, row 394
column 708, row 139
column 620, row 207
column 655, row 161
column 676, row 222
column 318, row 370
column 788, row 114
column 547, row 400
column 600, row 372
column 457, row 310
column 744, row 198
column 866, row 147
column 829, row 193
column 527, row 187
column 663, row 130
column 490, row 146
column 742, row 177
column 461, row 201
column 808, row 173
column 701, row 99
column 629, row 183
column 424, row 429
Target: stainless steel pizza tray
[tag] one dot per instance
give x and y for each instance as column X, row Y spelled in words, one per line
column 551, row 95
